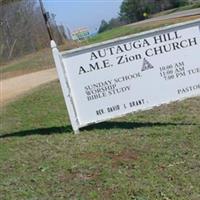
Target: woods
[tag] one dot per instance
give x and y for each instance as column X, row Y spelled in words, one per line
column 136, row 10
column 23, row 29
column 133, row 10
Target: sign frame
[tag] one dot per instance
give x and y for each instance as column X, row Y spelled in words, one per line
column 64, row 77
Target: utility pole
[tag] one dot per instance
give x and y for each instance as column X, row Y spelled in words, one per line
column 46, row 19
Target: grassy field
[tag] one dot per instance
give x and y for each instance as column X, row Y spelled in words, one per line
column 151, row 155
column 30, row 63
column 188, row 7
column 40, row 60
column 43, row 59
column 146, row 156
column 132, row 29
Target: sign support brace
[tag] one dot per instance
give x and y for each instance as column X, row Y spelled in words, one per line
column 65, row 87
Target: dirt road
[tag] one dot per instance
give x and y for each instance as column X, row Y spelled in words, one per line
column 14, row 87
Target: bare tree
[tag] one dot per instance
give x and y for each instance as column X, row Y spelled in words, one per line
column 22, row 28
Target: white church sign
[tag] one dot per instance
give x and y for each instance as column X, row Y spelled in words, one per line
column 129, row 74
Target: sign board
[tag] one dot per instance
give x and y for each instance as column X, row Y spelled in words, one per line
column 80, row 34
column 129, row 74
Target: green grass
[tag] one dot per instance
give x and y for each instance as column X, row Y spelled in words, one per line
column 188, row 7
column 33, row 62
column 40, row 60
column 182, row 8
column 132, row 29
column 145, row 156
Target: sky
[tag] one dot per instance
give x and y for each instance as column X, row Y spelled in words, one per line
column 83, row 13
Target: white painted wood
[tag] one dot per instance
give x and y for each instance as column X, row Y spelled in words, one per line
column 65, row 87
column 146, row 78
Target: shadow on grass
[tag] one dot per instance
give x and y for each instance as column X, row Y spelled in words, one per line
column 100, row 126
column 39, row 131
column 133, row 125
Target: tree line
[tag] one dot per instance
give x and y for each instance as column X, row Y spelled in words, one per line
column 136, row 10
column 22, row 29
